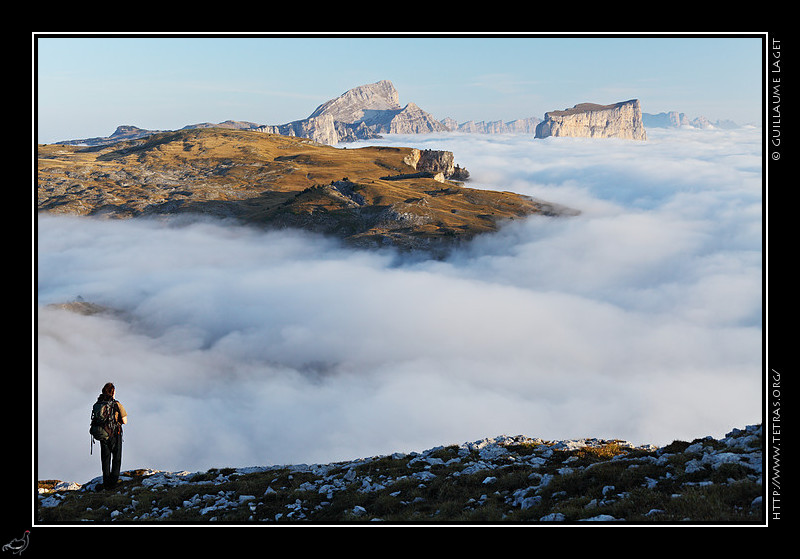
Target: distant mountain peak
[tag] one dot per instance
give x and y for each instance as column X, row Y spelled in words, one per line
column 351, row 106
column 360, row 113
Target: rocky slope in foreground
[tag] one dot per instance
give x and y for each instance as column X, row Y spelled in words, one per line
column 503, row 479
column 370, row 196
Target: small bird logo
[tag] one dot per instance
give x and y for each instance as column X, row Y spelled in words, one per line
column 18, row 545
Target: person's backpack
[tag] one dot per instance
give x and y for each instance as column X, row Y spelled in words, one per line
column 104, row 419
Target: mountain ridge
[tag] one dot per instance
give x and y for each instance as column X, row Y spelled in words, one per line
column 364, row 112
column 361, row 113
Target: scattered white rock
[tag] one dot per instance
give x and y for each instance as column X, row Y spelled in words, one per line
column 599, row 518
column 51, row 501
column 486, row 458
column 358, row 510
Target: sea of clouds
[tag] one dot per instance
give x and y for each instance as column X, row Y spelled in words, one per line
column 640, row 318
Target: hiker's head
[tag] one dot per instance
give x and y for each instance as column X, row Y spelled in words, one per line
column 108, row 390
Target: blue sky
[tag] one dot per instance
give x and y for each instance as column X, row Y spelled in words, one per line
column 87, row 86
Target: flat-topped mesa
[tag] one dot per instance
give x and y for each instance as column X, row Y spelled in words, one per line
column 589, row 120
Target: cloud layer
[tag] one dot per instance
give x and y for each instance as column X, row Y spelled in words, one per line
column 638, row 319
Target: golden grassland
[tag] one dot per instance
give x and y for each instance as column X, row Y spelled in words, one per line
column 272, row 180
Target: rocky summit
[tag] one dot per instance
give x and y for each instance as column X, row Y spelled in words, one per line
column 360, row 113
column 504, row 479
column 372, row 196
column 589, row 120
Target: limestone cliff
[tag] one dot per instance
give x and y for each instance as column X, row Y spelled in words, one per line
column 620, row 120
column 409, row 120
column 372, row 109
column 360, row 113
column 431, row 161
column 321, row 129
column 365, row 103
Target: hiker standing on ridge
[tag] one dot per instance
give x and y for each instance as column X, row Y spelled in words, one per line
column 108, row 416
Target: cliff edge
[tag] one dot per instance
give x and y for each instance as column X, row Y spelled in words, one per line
column 589, row 120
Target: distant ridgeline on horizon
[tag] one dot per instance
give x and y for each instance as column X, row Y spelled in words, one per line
column 370, row 110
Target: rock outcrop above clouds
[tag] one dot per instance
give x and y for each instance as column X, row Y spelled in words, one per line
column 376, row 106
column 360, row 113
column 589, row 120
